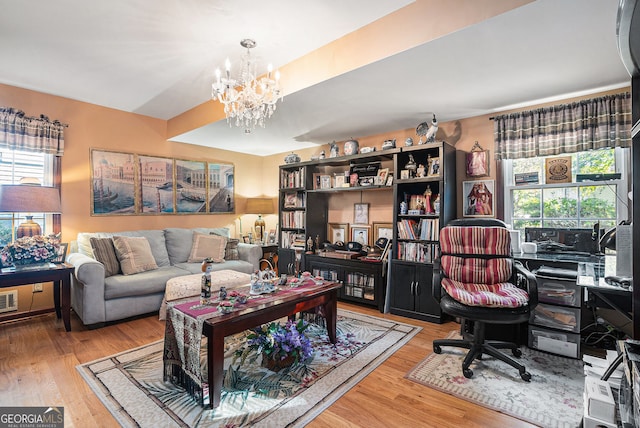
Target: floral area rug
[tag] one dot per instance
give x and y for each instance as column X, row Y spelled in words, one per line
column 131, row 386
column 553, row 398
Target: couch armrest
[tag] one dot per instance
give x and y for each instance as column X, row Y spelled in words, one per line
column 250, row 253
column 87, row 288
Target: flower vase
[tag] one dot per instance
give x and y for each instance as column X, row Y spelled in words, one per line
column 276, row 364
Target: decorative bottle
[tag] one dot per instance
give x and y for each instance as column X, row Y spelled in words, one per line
column 205, row 289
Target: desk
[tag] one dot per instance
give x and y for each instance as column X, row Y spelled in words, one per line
column 59, row 274
column 187, row 322
column 591, row 279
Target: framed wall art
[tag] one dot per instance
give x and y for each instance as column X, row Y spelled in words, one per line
column 221, row 179
column 478, row 198
column 382, row 230
column 113, row 176
column 155, row 175
column 191, row 186
column 361, row 213
column 477, row 162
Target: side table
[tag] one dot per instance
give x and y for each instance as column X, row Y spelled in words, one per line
column 59, row 274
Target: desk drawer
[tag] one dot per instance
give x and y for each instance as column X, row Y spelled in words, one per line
column 559, row 291
column 560, row 317
column 557, row 342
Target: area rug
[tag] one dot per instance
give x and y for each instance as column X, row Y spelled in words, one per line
column 131, row 386
column 553, row 398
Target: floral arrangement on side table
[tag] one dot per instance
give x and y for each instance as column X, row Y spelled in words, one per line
column 31, row 249
column 280, row 346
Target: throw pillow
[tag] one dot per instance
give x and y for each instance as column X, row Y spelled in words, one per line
column 105, row 253
column 231, row 252
column 134, row 254
column 207, row 246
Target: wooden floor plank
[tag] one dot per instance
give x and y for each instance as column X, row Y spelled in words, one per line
column 38, row 359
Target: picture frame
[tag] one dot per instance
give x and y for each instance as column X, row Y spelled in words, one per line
column 389, row 180
column 478, row 198
column 361, row 213
column 325, row 182
column 290, row 199
column 191, row 198
column 246, row 239
column 382, row 230
column 477, row 162
column 316, row 181
column 360, row 233
column 61, row 253
column 338, row 180
column 381, row 176
column 157, row 191
column 404, row 174
column 434, row 168
column 272, row 236
column 112, row 192
column 337, row 232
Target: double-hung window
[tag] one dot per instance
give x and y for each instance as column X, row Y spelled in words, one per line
column 578, row 204
column 14, row 166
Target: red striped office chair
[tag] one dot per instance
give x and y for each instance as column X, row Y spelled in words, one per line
column 477, row 280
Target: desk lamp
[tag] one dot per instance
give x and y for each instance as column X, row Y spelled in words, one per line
column 259, row 206
column 29, row 197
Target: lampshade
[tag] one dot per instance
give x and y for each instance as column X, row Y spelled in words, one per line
column 259, row 206
column 28, row 198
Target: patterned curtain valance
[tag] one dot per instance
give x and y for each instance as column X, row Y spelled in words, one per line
column 567, row 128
column 32, row 134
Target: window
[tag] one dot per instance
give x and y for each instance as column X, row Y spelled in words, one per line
column 575, row 204
column 15, row 165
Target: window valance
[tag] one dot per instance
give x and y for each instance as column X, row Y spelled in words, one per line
column 567, row 128
column 32, row 134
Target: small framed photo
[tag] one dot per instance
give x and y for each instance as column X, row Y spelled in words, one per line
column 353, row 180
column 404, row 174
column 325, row 182
column 290, row 200
column 338, row 180
column 337, row 232
column 434, row 167
column 361, row 213
column 272, row 236
column 62, row 253
column 246, row 239
column 316, row 181
column 381, row 177
column 478, row 198
column 382, row 230
column 389, row 179
column 361, row 233
column 477, row 162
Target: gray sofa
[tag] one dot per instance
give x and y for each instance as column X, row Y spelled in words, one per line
column 98, row 300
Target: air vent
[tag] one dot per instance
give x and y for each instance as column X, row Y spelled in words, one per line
column 9, row 301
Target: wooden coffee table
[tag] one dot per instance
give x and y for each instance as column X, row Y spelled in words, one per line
column 216, row 329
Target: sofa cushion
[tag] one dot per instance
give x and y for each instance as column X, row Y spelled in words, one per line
column 179, row 241
column 105, row 253
column 207, row 246
column 155, row 237
column 134, row 254
column 143, row 283
column 231, row 252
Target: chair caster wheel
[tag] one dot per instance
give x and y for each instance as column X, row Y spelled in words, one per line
column 437, row 349
column 468, row 373
column 526, row 376
column 517, row 353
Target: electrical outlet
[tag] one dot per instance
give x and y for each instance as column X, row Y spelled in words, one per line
column 37, row 288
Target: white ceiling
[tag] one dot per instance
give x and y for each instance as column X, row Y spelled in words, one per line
column 156, row 58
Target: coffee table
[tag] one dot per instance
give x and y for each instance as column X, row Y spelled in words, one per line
column 216, row 326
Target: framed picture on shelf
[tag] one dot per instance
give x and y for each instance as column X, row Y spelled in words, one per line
column 339, row 180
column 404, row 174
column 61, row 253
column 337, row 232
column 325, row 182
column 382, row 230
column 272, row 237
column 381, row 177
column 360, row 233
column 434, row 167
column 389, row 179
column 478, row 198
column 361, row 213
column 290, row 200
column 316, row 181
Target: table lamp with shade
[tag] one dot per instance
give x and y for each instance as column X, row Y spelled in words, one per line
column 29, row 197
column 259, row 206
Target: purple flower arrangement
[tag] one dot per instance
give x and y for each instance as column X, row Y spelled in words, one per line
column 279, row 342
column 31, row 249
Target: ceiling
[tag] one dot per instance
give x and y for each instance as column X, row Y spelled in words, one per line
column 156, row 58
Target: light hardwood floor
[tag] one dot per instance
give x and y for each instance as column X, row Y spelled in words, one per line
column 38, row 360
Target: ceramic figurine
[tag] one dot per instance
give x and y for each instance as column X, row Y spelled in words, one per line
column 408, row 142
column 420, row 171
column 334, row 151
column 411, row 166
column 321, row 156
column 292, row 158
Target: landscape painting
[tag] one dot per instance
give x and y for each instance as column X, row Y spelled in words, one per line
column 156, row 184
column 191, row 186
column 221, row 197
column 112, row 183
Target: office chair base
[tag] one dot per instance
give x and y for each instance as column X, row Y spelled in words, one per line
column 477, row 349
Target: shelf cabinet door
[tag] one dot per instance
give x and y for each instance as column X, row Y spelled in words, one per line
column 425, row 302
column 402, row 297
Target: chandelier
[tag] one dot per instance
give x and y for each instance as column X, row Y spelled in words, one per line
column 247, row 99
